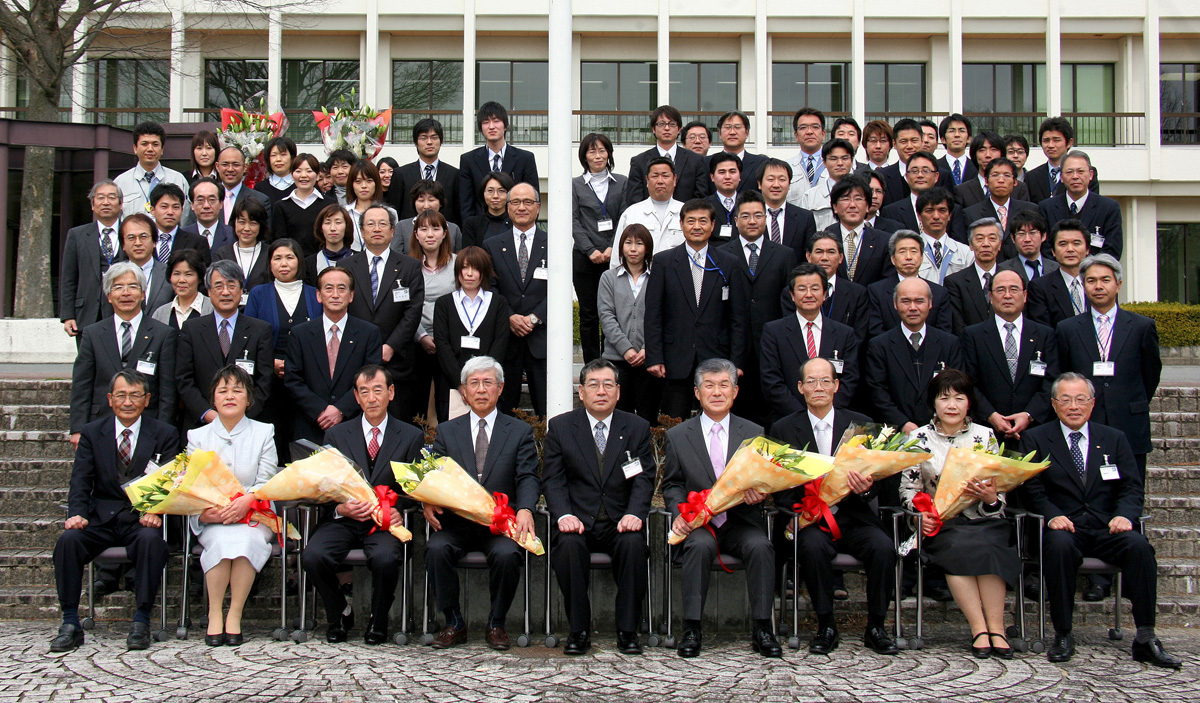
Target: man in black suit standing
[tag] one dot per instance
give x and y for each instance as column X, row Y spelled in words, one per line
column 878, row 192
column 696, row 454
column 427, row 137
column 1101, row 216
column 691, row 169
column 166, row 207
column 859, row 531
column 231, row 167
column 1054, row 297
column 787, row 224
column 687, row 308
column 955, row 133
column 372, row 444
column 734, row 129
column 392, row 294
column 922, row 176
column 495, row 155
column 725, row 170
column 110, row 452
column 1091, row 496
column 129, row 340
column 207, row 195
column 794, row 339
column 1000, row 203
column 323, row 356
column 909, row 142
column 1057, row 137
column 1012, row 359
column 89, row 250
column 906, row 253
column 521, row 276
column 210, row 342
column 865, row 249
column 138, row 236
column 762, row 270
column 1027, row 231
column 901, row 361
column 598, row 480
column 499, row 451
column 968, row 288
column 846, row 302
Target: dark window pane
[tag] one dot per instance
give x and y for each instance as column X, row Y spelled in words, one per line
column 530, row 85
column 639, row 86
column 685, row 86
column 446, row 84
column 876, row 77
column 718, row 86
column 599, row 86
column 494, row 80
column 410, row 85
column 906, row 87
column 789, row 86
column 978, row 89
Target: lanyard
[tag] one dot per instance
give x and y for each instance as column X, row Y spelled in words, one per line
column 603, row 207
column 1106, row 348
column 237, row 251
column 709, row 259
column 478, row 308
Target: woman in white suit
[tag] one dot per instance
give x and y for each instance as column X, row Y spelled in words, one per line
column 234, row 551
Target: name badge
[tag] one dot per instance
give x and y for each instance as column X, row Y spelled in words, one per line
column 1097, row 241
column 631, row 468
column 246, row 365
column 541, row 273
column 1104, row 368
column 146, row 367
column 400, row 295
column 468, row 341
column 604, row 225
column 838, row 365
column 1109, row 472
column 726, row 232
column 245, row 299
column 1037, row 368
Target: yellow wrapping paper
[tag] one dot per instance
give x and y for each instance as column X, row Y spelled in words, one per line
column 759, row 464
column 326, row 477
column 963, row 465
column 871, row 463
column 440, row 481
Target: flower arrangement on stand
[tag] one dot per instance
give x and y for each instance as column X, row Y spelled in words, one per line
column 249, row 132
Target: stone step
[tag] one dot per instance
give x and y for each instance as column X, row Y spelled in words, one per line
column 30, row 532
column 1169, row 451
column 1173, row 480
column 1174, row 541
column 36, row 444
column 23, row 391
column 34, row 417
column 1172, row 509
column 51, row 473
column 1176, row 399
column 33, row 502
column 1179, row 576
column 1175, row 424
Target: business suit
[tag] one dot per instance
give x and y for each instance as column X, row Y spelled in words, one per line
column 1050, row 299
column 725, row 218
column 448, row 330
column 784, row 349
column 885, row 224
column 898, row 377
column 987, row 208
column 306, row 374
column 406, row 177
column 1123, row 399
column 871, row 255
column 1016, row 263
column 260, row 270
column 526, row 295
column 799, row 227
column 200, row 358
column 997, row 390
column 1038, row 181
column 1099, row 215
column 971, row 193
column 1090, row 503
column 691, row 175
column 333, row 538
column 262, row 198
column 969, row 301
column 896, row 187
column 754, row 303
column 679, row 333
column 883, row 309
column 511, row 468
column 849, row 304
column 742, row 533
column 222, row 236
column 99, row 359
column 580, row 480
column 474, row 166
column 96, row 495
column 80, row 294
column 750, row 164
column 587, row 213
column 160, row 292
column 969, row 171
column 862, row 533
column 904, row 212
column 397, row 320
column 184, row 239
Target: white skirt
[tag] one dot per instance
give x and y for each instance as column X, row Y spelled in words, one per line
column 233, row 541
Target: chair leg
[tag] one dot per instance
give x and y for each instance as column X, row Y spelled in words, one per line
column 90, row 621
column 551, row 640
column 426, row 635
column 1115, row 633
column 795, row 590
column 523, row 640
column 653, row 639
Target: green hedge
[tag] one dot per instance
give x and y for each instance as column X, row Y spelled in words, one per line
column 1178, row 324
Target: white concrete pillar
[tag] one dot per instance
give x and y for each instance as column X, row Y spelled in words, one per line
column 274, row 60
column 79, row 77
column 177, row 69
column 858, row 63
column 1153, row 86
column 664, row 52
column 468, row 76
column 956, row 58
column 762, row 78
column 1140, row 257
column 559, row 351
column 367, row 93
column 1054, row 100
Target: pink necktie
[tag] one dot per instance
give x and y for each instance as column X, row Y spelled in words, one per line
column 716, row 454
column 1002, row 211
column 812, row 345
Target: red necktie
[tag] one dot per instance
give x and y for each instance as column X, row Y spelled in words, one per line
column 812, row 345
column 373, row 445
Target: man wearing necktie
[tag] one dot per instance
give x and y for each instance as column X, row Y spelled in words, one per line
column 1100, row 216
column 725, row 170
column 427, row 137
column 969, row 288
column 808, row 127
column 696, row 454
column 1057, row 296
column 1027, row 232
column 496, row 154
column 136, row 183
column 88, row 252
column 372, row 443
column 166, row 207
column 207, row 196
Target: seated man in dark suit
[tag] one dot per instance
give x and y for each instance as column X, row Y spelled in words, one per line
column 1101, row 216
column 89, row 250
column 323, row 356
column 906, row 253
column 1012, row 360
column 860, row 533
column 901, row 361
column 129, row 340
column 495, row 155
column 112, row 451
column 1000, row 203
column 499, row 451
column 427, row 137
column 968, row 288
column 598, row 480
column 1091, row 496
column 865, row 249
column 691, row 168
column 696, row 454
column 846, row 302
column 1027, row 231
column 1054, row 297
column 787, row 224
column 1057, row 137
column 372, row 444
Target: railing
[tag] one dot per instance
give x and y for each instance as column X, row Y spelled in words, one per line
column 893, row 117
column 1181, row 128
column 404, row 120
column 620, row 126
column 1006, row 123
column 1108, row 128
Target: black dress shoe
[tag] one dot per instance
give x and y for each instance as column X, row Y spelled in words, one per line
column 139, row 636
column 877, row 638
column 689, row 646
column 764, row 642
column 69, row 637
column 234, row 639
column 374, row 633
column 337, row 630
column 1095, row 593
column 1154, row 653
column 577, row 643
column 628, row 643
column 214, row 640
column 1062, row 649
column 102, row 587
column 825, row 641
column 981, row 652
column 1004, row 652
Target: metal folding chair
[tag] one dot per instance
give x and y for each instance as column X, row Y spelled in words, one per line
column 119, row 555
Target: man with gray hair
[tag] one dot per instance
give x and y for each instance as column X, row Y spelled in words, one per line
column 89, row 251
column 1101, row 216
column 696, row 454
column 969, row 288
column 127, row 340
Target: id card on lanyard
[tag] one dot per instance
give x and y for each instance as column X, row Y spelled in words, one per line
column 1104, row 367
column 605, row 223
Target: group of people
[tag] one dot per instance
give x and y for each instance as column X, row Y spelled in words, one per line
column 798, row 295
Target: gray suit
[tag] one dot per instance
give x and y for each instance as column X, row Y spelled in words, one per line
column 743, row 533
column 160, row 292
column 99, row 360
column 80, row 295
column 404, row 230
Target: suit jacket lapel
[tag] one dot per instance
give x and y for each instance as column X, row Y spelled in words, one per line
column 345, row 351
column 358, row 449
column 1120, row 334
column 1094, row 459
column 995, row 346
column 141, row 340
column 92, row 251
column 699, row 444
column 904, row 359
column 508, row 259
column 108, row 339
column 614, row 450
column 391, row 440
column 537, row 256
column 240, row 340
column 387, row 277
column 587, row 449
column 499, row 437
column 143, row 452
column 1062, row 456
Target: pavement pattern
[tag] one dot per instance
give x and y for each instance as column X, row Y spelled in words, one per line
column 263, row 670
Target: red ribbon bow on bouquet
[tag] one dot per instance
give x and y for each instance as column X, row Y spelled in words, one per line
column 812, row 507
column 696, row 506
column 503, row 516
column 923, row 502
column 383, row 512
column 264, row 507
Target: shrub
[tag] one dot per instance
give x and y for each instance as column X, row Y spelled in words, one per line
column 1178, row 324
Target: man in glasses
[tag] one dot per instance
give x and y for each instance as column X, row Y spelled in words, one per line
column 690, row 168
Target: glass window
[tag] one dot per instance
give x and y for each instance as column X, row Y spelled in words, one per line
column 825, row 86
column 423, row 89
column 628, row 88
column 311, row 85
column 1088, row 87
column 895, row 88
column 64, row 96
column 521, row 87
column 1180, row 96
column 234, row 83
column 704, row 90
column 133, row 86
column 1179, row 262
column 1002, row 88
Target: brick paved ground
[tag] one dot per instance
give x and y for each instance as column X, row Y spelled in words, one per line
column 316, row 672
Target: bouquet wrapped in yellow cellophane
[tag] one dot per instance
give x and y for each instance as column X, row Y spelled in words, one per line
column 329, row 477
column 440, row 481
column 760, row 464
column 190, row 484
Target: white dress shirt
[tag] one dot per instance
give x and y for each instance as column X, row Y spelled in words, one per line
column 1020, row 326
column 489, row 425
column 1103, row 344
column 822, row 431
column 327, row 323
column 598, row 182
column 1078, row 203
column 135, row 431
column 304, row 202
column 634, row 285
column 1083, row 443
column 367, row 426
column 134, row 325
column 471, row 309
column 816, row 330
column 979, row 274
column 706, row 425
column 281, row 182
column 669, row 153
column 421, row 166
column 516, row 235
column 960, row 160
column 758, row 245
column 491, row 156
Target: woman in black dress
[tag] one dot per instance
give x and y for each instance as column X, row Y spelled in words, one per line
column 186, row 270
column 249, row 252
column 494, row 192
column 293, row 216
column 205, row 147
column 281, row 152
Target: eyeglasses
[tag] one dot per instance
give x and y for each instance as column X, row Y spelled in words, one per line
column 523, row 202
column 225, row 286
column 666, row 123
column 138, row 237
column 809, row 128
column 1007, row 290
column 597, row 385
column 484, row 383
column 818, row 383
column 923, row 171
column 815, row 288
column 125, row 397
column 753, row 217
column 1079, row 400
column 122, row 287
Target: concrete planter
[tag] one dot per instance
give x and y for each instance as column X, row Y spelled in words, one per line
column 1180, row 356
column 41, row 341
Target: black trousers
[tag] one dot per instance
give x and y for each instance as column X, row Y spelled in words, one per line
column 1063, row 553
column 640, row 391
column 427, row 372
column 737, row 538
column 586, row 277
column 867, row 543
column 750, row 402
column 328, row 547
column 411, row 400
column 75, row 548
column 678, row 397
column 459, row 536
column 520, row 361
column 571, row 558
